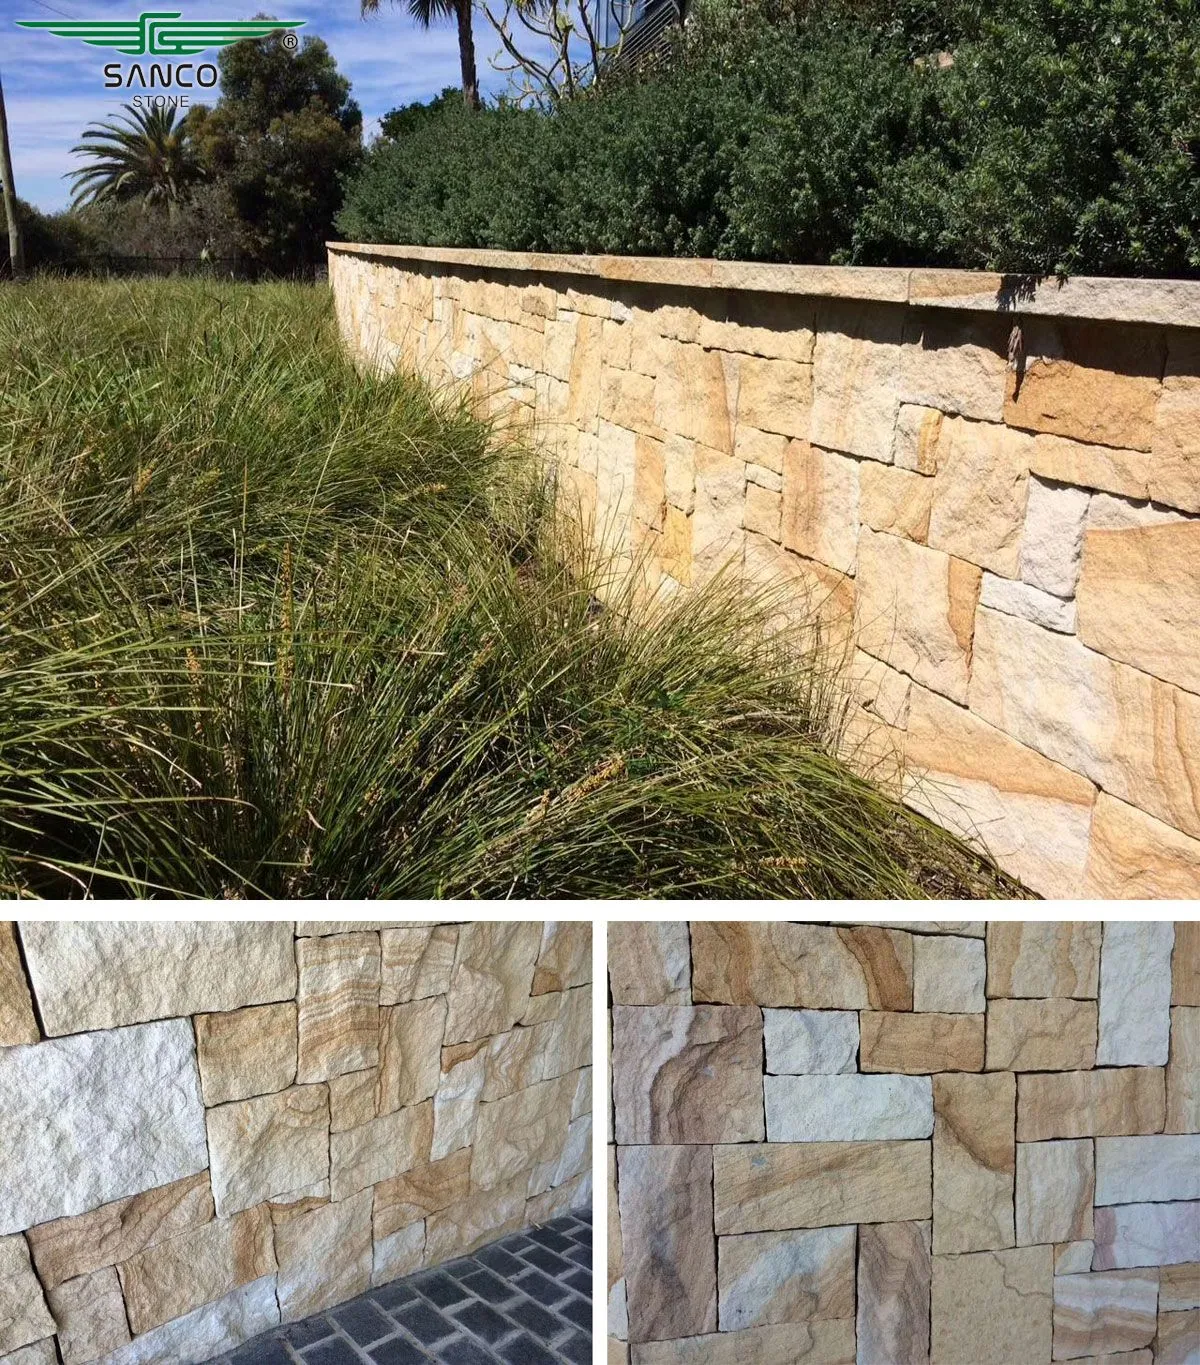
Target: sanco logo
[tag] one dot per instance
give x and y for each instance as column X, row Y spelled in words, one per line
column 164, row 35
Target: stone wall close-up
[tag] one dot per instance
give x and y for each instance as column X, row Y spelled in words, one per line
column 907, row 1144
column 986, row 489
column 209, row 1128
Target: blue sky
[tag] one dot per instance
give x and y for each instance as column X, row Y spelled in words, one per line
column 54, row 87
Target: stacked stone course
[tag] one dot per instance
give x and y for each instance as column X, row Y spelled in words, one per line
column 209, row 1128
column 1006, row 552
column 917, row 1144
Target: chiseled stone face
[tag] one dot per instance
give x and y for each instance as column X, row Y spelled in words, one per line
column 829, row 1341
column 820, row 1184
column 1177, row 1336
column 1041, row 1035
column 102, row 974
column 921, row 1044
column 376, row 1151
column 819, row 511
column 565, row 958
column 399, row 1253
column 1135, row 993
column 688, row 1073
column 991, row 1307
column 24, row 1317
column 516, row 1133
column 1055, row 1185
column 794, row 1276
column 410, row 1052
column 416, row 961
column 129, row 1098
column 17, row 1022
column 1044, row 958
column 811, row 1042
column 324, row 1256
column 1185, row 964
column 207, row 1331
column 90, row 1313
column 856, row 373
column 338, row 1001
column 1183, row 1072
column 1179, row 1287
column 268, row 1146
column 813, row 965
column 456, row 1104
column 1116, row 1310
column 1146, row 1235
column 1133, row 1170
column 973, row 1162
column 408, row 1198
column 847, row 1108
column 484, row 1215
column 493, row 973
column 948, row 974
column 246, row 1052
column 568, row 1044
column 649, row 962
column 666, row 1196
column 1120, row 1102
column 894, row 1269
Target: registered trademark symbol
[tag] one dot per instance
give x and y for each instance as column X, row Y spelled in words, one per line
column 291, row 42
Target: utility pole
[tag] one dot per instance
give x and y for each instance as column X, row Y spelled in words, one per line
column 16, row 254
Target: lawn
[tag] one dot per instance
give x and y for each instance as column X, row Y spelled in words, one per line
column 270, row 627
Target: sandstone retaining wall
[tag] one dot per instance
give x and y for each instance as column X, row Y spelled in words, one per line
column 1001, row 529
column 919, row 1144
column 209, row 1128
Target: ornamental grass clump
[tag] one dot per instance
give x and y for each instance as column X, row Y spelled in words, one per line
column 272, row 627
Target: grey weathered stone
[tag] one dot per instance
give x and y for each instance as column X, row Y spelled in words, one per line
column 793, row 1276
column 208, row 1331
column 1130, row 1235
column 1135, row 1170
column 847, row 1108
column 811, row 1042
column 1135, row 993
column 24, row 1317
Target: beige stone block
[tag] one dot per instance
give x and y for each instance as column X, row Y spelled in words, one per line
column 679, row 472
column 1115, row 1102
column 1043, row 958
column 618, row 1352
column 1108, row 1312
column 1073, row 1258
column 410, row 1048
column 1178, row 1341
column 338, row 1001
column 246, row 1052
column 687, row 1074
column 268, row 1146
column 1133, row 735
column 1041, row 1035
column 894, row 1269
column 627, row 399
column 821, row 505
column 692, row 397
column 856, row 373
column 649, row 482
column 1183, row 1071
column 39, row 1353
column 399, row 1253
column 820, row 1184
column 542, row 1009
column 416, row 961
column 583, row 378
column 565, row 958
column 973, row 1162
column 775, row 396
column 515, row 1060
column 979, row 494
column 1090, row 383
column 827, row 1342
column 916, row 610
column 456, row 1104
column 956, row 363
column 919, row 1044
column 353, row 1099
column 324, row 1256
column 24, row 1317
column 72, row 1247
column 763, row 448
column 794, row 1276
column 1175, row 444
column 1163, row 1168
column 493, row 973
column 569, row 1036
column 991, row 1307
column 1055, row 1186
column 173, row 1277
column 675, row 550
column 810, row 600
column 1185, row 963
column 1135, row 993
column 847, row 1108
column 763, row 510
column 717, row 534
column 948, row 974
column 1179, row 1287
column 1139, row 598
column 896, row 500
column 742, row 962
column 649, row 962
column 376, row 1151
column 90, row 1314
column 576, row 1193
column 482, row 1217
column 17, row 1022
column 1125, row 472
column 666, row 1198
column 918, row 433
column 413, row 1195
column 778, row 326
column 518, row 1132
column 1052, row 538
column 559, row 344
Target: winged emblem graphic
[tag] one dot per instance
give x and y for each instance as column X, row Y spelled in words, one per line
column 161, row 35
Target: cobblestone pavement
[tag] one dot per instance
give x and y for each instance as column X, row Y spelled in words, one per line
column 523, row 1300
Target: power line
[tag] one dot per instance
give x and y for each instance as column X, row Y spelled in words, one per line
column 52, row 10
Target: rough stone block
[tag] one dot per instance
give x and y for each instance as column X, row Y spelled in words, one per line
column 764, row 507
column 692, row 397
column 1112, row 1311
column 1179, row 1287
column 1175, row 445
column 991, row 1307
column 399, row 1253
column 915, row 443
column 493, row 973
column 1136, row 1170
column 856, row 373
column 775, row 396
column 246, row 1052
column 89, row 1312
column 482, row 1217
column 376, row 1151
column 129, row 1098
column 565, row 957
column 717, row 533
column 666, row 1198
column 410, row 1050
column 1135, row 993
column 896, row 501
column 208, row 1331
column 979, row 494
column 324, row 1256
column 847, row 1108
column 268, row 1146
column 1183, row 1072
column 811, row 1042
column 1073, row 1258
column 338, row 1002
column 24, row 1317
column 520, row 1131
column 416, row 962
column 973, row 1162
column 894, row 1269
column 948, row 974
column 920, row 1044
column 1178, row 1340
column 408, row 1198
column 102, row 974
column 17, row 1022
column 803, row 1276
column 687, row 1074
column 763, row 448
column 1029, row 603
column 820, row 505
column 1146, row 1235
column 1041, row 1035
column 1052, row 538
column 827, row 1342
column 1185, row 964
column 1044, row 958
column 456, row 1104
column 956, row 363
column 1111, row 1103
column 649, row 962
column 1055, row 1186
column 743, row 962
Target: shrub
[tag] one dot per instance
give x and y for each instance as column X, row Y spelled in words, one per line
column 1042, row 136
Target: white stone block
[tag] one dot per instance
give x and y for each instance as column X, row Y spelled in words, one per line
column 811, row 1042
column 1021, row 599
column 1052, row 538
column 1143, row 1170
column 847, row 1108
column 1135, row 993
column 949, row 974
column 1146, row 1234
column 209, row 1331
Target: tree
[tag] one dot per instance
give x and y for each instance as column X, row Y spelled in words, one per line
column 555, row 49
column 16, row 255
column 283, row 134
column 405, row 119
column 424, row 12
column 141, row 154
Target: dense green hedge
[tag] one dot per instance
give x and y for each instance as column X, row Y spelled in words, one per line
column 1064, row 136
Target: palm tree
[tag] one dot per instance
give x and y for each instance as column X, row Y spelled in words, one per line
column 424, row 12
column 142, row 154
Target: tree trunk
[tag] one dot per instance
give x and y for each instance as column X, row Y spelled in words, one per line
column 466, row 53
column 16, row 255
